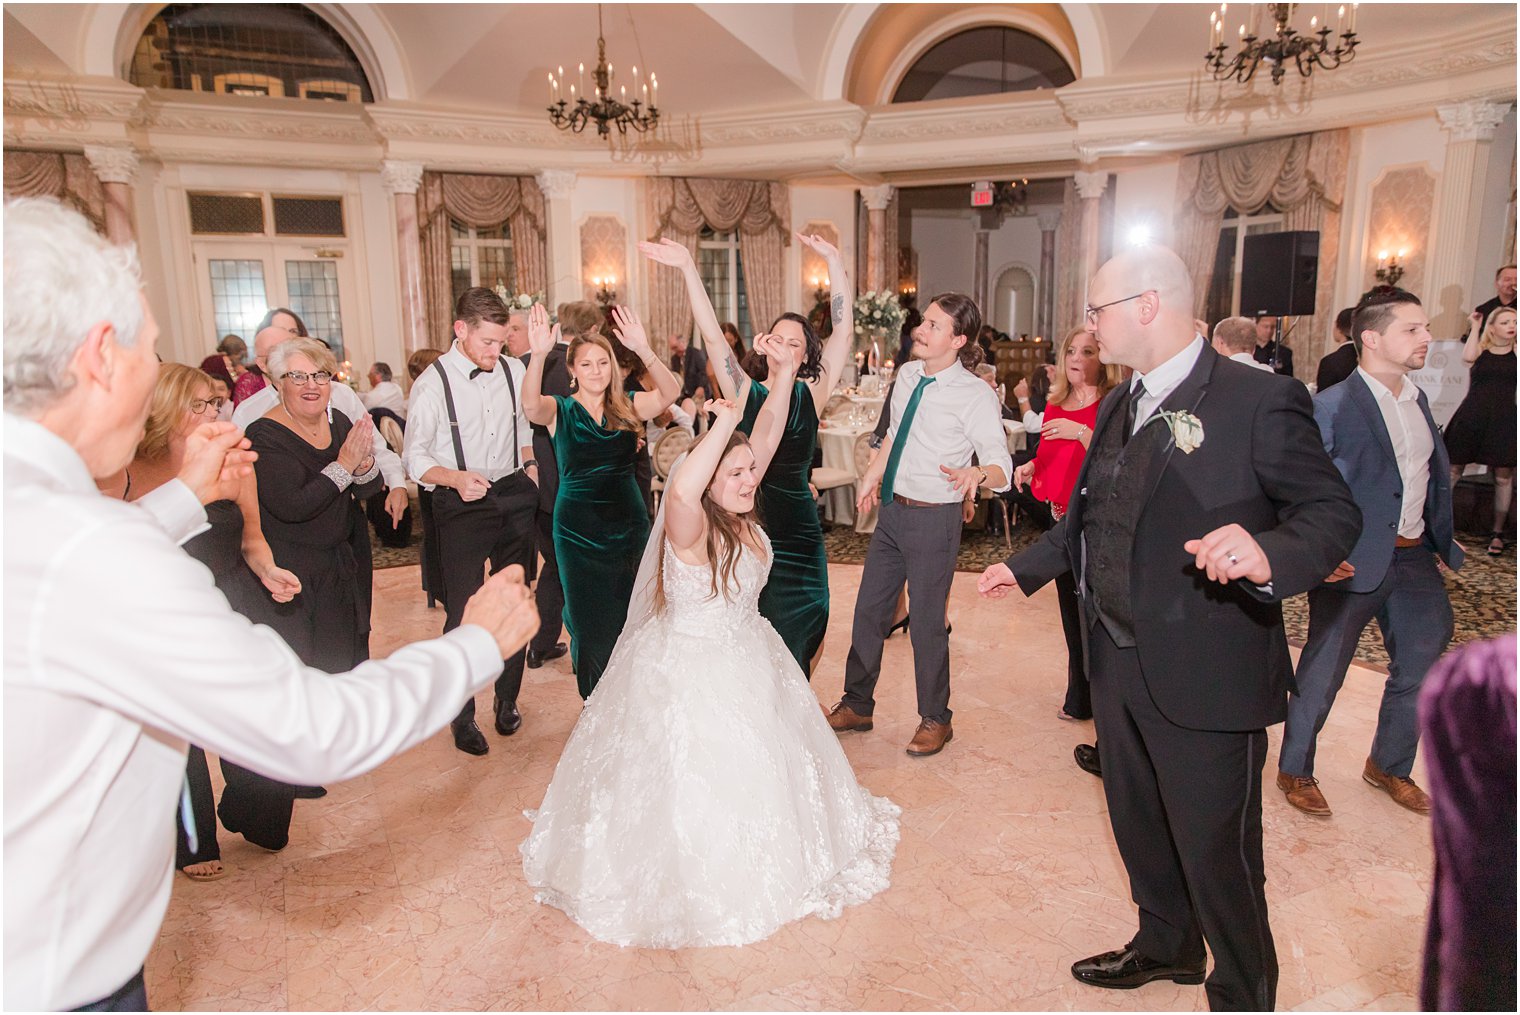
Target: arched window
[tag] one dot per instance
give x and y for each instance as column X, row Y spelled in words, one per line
column 248, row 49
column 984, row 61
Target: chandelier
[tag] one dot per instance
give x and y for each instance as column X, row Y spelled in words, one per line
column 574, row 112
column 1285, row 45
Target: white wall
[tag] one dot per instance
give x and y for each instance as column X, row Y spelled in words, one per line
column 835, row 205
column 1145, row 199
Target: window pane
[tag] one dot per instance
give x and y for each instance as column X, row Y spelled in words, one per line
column 458, row 231
column 308, row 216
column 226, row 213
column 237, row 297
column 741, row 303
column 1221, row 301
column 313, row 287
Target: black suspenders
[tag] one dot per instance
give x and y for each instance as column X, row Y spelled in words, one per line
column 448, row 401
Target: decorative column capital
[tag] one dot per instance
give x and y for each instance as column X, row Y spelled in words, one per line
column 401, row 177
column 112, row 164
column 878, row 197
column 1090, row 183
column 1049, row 219
column 557, row 184
column 1474, row 120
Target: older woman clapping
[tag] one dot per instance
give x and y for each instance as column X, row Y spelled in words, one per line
column 312, row 465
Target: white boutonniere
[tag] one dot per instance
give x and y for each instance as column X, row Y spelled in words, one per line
column 1187, row 429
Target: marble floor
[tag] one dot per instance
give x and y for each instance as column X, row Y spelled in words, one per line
column 403, row 888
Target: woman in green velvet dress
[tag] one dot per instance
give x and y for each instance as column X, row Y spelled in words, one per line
column 796, row 598
column 600, row 521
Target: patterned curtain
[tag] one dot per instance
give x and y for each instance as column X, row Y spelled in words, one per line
column 66, row 176
column 1305, row 177
column 480, row 202
column 758, row 210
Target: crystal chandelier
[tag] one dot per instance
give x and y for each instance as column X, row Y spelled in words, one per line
column 575, row 111
column 1283, row 47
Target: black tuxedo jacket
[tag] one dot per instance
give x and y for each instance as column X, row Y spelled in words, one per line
column 556, row 382
column 1215, row 656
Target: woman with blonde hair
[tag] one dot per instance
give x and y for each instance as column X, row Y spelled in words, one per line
column 233, row 549
column 702, row 799
column 600, row 519
column 1071, row 410
column 1482, row 431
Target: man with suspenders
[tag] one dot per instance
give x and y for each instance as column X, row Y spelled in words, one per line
column 468, row 441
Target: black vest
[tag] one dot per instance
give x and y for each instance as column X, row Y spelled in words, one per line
column 1116, row 476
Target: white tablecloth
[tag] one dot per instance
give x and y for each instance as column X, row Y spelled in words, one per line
column 838, row 444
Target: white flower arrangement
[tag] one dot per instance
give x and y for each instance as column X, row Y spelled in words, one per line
column 1187, row 429
column 519, row 301
column 878, row 313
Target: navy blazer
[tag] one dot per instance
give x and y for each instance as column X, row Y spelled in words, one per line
column 1356, row 438
column 1215, row 657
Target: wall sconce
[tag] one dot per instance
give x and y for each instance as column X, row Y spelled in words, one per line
column 606, row 294
column 820, row 288
column 907, row 290
column 1389, row 269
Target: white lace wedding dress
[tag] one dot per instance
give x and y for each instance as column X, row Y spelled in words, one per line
column 702, row 798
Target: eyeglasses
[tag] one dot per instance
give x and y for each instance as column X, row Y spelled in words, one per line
column 1092, row 312
column 198, row 405
column 300, row 377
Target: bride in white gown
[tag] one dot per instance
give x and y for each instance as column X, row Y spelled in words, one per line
column 702, row 798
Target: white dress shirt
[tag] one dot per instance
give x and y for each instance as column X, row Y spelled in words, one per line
column 958, row 415
column 1163, row 380
column 118, row 650
column 343, row 400
column 385, row 395
column 1250, row 361
column 1412, row 447
column 493, row 428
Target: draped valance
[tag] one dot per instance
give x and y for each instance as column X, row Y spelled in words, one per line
column 64, row 175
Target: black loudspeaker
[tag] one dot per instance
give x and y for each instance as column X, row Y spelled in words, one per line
column 1279, row 273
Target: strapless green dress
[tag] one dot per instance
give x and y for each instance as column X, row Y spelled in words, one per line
column 796, row 599
column 601, row 525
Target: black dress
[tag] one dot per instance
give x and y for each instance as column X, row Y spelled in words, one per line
column 220, row 548
column 1482, row 431
column 308, row 522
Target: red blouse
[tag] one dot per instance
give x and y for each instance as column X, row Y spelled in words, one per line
column 1057, row 462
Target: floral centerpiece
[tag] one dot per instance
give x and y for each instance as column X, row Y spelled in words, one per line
column 878, row 314
column 518, row 301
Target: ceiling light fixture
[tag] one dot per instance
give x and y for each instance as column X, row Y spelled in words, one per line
column 1283, row 47
column 573, row 111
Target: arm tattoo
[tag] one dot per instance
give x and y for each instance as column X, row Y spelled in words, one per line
column 836, row 309
column 732, row 368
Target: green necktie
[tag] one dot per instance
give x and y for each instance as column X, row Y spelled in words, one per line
column 901, row 441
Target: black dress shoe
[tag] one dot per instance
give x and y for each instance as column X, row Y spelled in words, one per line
column 310, row 792
column 1087, row 759
column 537, row 659
column 508, row 719
column 469, row 739
column 901, row 625
column 1127, row 969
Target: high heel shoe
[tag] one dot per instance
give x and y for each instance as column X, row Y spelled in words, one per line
column 1496, row 545
column 901, row 625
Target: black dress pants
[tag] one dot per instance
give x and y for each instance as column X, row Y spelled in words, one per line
column 549, row 593
column 498, row 527
column 1186, row 812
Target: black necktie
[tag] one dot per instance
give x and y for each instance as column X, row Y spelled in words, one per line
column 1132, row 410
column 477, row 372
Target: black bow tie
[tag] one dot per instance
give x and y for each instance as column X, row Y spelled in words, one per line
column 478, row 371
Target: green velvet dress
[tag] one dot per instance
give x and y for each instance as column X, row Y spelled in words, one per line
column 601, row 525
column 796, row 599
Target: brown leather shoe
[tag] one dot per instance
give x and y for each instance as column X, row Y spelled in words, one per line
column 843, row 720
column 1402, row 788
column 1303, row 793
column 930, row 738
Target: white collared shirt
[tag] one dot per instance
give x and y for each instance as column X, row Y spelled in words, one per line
column 958, row 415
column 1413, row 445
column 385, row 395
column 118, row 650
column 342, row 400
column 1163, row 380
column 493, row 428
column 1250, row 361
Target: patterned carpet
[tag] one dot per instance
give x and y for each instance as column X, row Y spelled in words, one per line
column 1482, row 593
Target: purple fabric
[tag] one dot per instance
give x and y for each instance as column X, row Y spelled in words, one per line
column 1467, row 717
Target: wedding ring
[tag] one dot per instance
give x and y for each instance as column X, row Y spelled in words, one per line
column 1232, row 558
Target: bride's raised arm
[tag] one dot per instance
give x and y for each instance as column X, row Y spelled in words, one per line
column 770, row 424
column 732, row 380
column 685, row 521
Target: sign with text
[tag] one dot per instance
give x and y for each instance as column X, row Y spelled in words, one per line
column 1444, row 379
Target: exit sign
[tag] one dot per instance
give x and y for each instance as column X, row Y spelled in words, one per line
column 981, row 195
